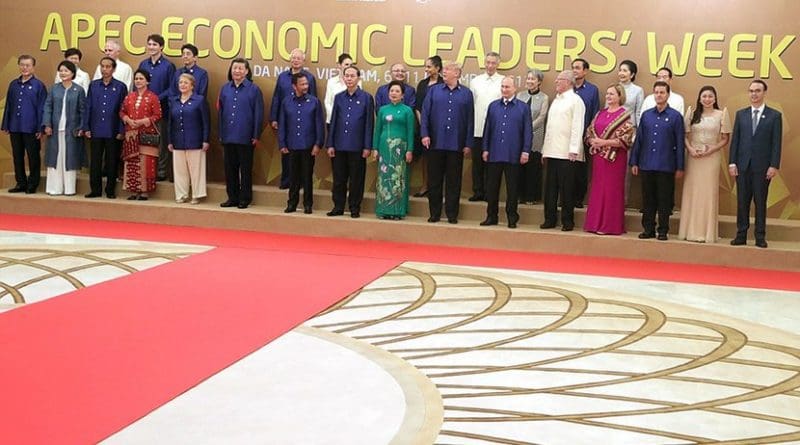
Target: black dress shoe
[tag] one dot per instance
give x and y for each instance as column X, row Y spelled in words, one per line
column 512, row 225
column 738, row 241
column 229, row 203
column 761, row 243
column 335, row 212
column 421, row 194
column 433, row 219
column 283, row 187
column 647, row 235
column 452, row 220
column 93, row 195
column 355, row 214
column 161, row 179
column 547, row 225
column 133, row 198
column 290, row 209
column 579, row 205
column 475, row 198
column 243, row 205
column 111, row 196
column 142, row 198
column 489, row 222
column 31, row 191
column 17, row 189
column 567, row 227
column 662, row 237
column 307, row 210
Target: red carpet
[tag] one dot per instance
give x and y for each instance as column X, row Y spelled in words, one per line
column 601, row 266
column 77, row 368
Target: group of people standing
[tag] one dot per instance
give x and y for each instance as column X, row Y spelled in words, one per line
column 158, row 115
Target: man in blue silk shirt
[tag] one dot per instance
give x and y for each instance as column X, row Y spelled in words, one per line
column 22, row 120
column 658, row 157
column 349, row 142
column 189, row 57
column 301, row 133
column 162, row 73
column 447, row 127
column 507, row 140
column 590, row 95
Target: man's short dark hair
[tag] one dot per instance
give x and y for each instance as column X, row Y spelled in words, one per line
column 663, row 68
column 73, row 52
column 191, row 48
column 26, row 57
column 759, row 81
column 297, row 76
column 158, row 38
column 583, row 61
column 358, row 71
column 248, row 76
column 113, row 62
column 661, row 83
column 342, row 57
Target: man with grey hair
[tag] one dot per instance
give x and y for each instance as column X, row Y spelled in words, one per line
column 447, row 131
column 123, row 71
column 563, row 147
column 485, row 89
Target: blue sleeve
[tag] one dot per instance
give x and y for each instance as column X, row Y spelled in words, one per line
column 319, row 123
column 169, row 125
column 81, row 108
column 424, row 124
column 206, row 118
column 202, row 84
column 370, row 122
column 634, row 159
column 470, row 142
column 4, row 125
column 258, row 119
column 41, row 98
column 47, row 115
column 281, row 129
column 87, row 110
column 170, row 76
column 331, row 139
column 680, row 138
column 275, row 107
column 487, row 129
column 173, row 88
column 312, row 84
column 220, row 112
column 122, row 97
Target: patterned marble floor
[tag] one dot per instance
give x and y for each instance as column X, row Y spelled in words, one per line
column 461, row 355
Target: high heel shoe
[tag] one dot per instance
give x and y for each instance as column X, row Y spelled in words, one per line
column 421, row 194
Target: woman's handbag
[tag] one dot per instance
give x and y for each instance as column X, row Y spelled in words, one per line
column 151, row 139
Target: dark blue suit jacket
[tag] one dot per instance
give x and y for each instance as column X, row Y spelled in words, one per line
column 761, row 150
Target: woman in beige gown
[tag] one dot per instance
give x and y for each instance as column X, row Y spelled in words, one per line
column 707, row 132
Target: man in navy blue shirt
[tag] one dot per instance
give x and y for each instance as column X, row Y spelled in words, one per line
column 22, row 120
column 189, row 57
column 447, row 127
column 349, row 142
column 104, row 128
column 283, row 89
column 658, row 156
column 162, row 73
column 507, row 140
column 398, row 72
column 590, row 95
column 301, row 133
column 241, row 118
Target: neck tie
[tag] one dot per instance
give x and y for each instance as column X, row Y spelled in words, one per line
column 755, row 120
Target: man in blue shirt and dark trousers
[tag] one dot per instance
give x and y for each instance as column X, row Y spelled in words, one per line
column 507, row 140
column 590, row 95
column 447, row 127
column 241, row 117
column 105, row 128
column 349, row 142
column 162, row 73
column 301, row 133
column 22, row 121
column 658, row 154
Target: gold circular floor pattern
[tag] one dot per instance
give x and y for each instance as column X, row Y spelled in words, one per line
column 66, row 264
column 514, row 357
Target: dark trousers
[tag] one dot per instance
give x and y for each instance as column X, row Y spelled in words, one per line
column 22, row 144
column 478, row 169
column 751, row 186
column 582, row 172
column 560, row 183
column 164, row 155
column 349, row 169
column 658, row 196
column 239, row 172
column 530, row 179
column 301, row 175
column 104, row 161
column 286, row 170
column 444, row 173
column 494, row 172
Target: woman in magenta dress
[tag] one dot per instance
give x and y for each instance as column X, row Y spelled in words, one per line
column 609, row 136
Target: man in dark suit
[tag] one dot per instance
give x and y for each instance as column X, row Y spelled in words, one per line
column 754, row 161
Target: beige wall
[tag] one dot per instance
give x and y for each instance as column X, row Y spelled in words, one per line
column 722, row 43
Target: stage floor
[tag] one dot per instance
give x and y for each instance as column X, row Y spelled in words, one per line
column 442, row 353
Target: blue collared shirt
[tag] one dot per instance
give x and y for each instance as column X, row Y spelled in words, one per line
column 284, row 89
column 448, row 117
column 590, row 95
column 352, row 119
column 103, row 103
column 659, row 141
column 241, row 113
column 200, row 80
column 189, row 123
column 24, row 106
column 301, row 123
column 382, row 96
column 161, row 74
column 508, row 131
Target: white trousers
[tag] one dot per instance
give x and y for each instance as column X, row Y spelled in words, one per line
column 189, row 171
column 61, row 181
